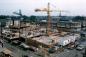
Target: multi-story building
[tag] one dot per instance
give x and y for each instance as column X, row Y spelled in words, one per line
column 69, row 26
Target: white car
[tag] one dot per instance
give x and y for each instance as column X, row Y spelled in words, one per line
column 26, row 47
column 80, row 47
column 23, row 45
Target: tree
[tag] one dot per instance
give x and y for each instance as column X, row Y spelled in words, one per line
column 78, row 18
column 33, row 19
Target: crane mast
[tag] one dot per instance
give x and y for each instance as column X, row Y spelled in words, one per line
column 49, row 18
column 49, row 21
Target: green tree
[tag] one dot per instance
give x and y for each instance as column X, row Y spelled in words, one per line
column 33, row 19
column 78, row 18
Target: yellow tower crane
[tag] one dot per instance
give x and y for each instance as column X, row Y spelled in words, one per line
column 49, row 19
column 48, row 10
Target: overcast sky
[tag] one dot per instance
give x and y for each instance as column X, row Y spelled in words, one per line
column 75, row 7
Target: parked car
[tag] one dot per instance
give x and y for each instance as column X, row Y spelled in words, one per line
column 71, row 46
column 24, row 55
column 80, row 47
column 31, row 48
column 24, row 46
column 51, row 50
column 16, row 42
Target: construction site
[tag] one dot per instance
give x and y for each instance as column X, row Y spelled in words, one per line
column 43, row 39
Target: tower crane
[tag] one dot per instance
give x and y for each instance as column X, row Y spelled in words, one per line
column 60, row 12
column 48, row 13
column 18, row 13
column 48, row 10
